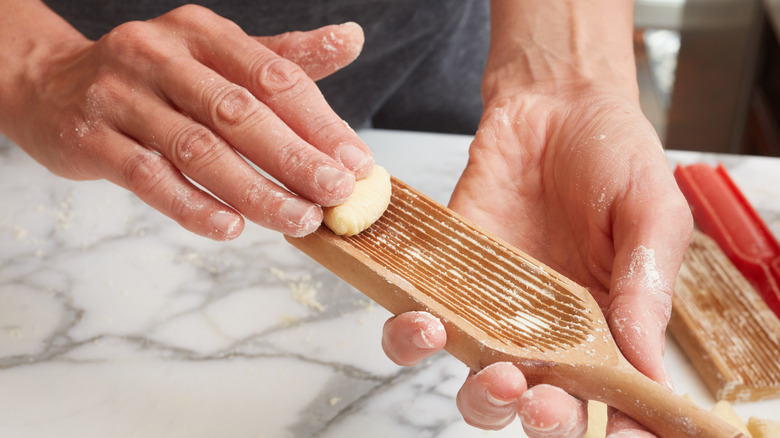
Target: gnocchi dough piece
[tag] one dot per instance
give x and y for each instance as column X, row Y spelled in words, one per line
column 763, row 428
column 364, row 207
column 597, row 420
column 725, row 412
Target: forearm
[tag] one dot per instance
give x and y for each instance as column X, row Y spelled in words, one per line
column 31, row 36
column 550, row 45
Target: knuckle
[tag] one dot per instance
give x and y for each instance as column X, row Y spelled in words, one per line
column 261, row 202
column 126, row 35
column 327, row 127
column 104, row 89
column 133, row 40
column 184, row 207
column 128, row 31
column 233, row 105
column 278, row 76
column 143, row 172
column 146, row 173
column 194, row 145
column 292, row 156
column 96, row 107
column 190, row 13
column 202, row 19
column 258, row 200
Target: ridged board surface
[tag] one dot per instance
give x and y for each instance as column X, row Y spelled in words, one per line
column 724, row 326
column 496, row 290
column 498, row 304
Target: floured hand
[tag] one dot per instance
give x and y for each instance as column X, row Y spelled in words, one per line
column 581, row 183
column 186, row 97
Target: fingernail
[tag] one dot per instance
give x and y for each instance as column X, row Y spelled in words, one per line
column 352, row 157
column 302, row 214
column 329, row 178
column 497, row 401
column 542, row 429
column 420, row 340
column 225, row 222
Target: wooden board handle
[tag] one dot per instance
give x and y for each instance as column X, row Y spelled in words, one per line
column 663, row 412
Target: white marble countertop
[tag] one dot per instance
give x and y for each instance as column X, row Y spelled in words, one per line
column 115, row 322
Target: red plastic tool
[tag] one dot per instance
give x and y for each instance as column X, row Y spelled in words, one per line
column 722, row 212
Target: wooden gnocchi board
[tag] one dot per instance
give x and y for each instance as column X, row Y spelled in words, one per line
column 725, row 328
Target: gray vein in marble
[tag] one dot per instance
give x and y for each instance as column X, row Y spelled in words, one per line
column 116, row 317
column 320, row 422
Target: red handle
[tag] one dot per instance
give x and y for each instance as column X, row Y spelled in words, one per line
column 722, row 212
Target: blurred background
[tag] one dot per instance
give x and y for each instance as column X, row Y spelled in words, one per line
column 709, row 73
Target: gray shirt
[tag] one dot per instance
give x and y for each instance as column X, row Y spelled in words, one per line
column 420, row 68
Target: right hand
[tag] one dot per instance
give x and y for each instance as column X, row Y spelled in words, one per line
column 189, row 97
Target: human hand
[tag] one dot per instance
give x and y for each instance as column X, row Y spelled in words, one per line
column 566, row 167
column 579, row 180
column 165, row 106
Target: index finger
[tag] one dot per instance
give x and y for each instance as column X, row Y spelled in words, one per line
column 279, row 83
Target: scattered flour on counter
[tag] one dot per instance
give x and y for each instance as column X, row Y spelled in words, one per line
column 305, row 292
column 14, row 332
column 64, row 214
column 210, row 263
column 302, row 288
column 278, row 273
column 288, row 320
column 20, row 233
column 368, row 307
column 367, row 304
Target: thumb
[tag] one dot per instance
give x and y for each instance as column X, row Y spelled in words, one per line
column 319, row 52
column 644, row 271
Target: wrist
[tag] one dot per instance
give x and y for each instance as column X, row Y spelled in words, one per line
column 509, row 82
column 34, row 39
column 558, row 47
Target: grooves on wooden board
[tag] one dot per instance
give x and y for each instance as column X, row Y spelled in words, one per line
column 498, row 304
column 725, row 328
column 473, row 275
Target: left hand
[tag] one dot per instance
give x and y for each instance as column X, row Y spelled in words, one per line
column 178, row 109
column 578, row 180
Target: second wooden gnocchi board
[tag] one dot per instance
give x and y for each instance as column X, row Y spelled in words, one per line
column 725, row 328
